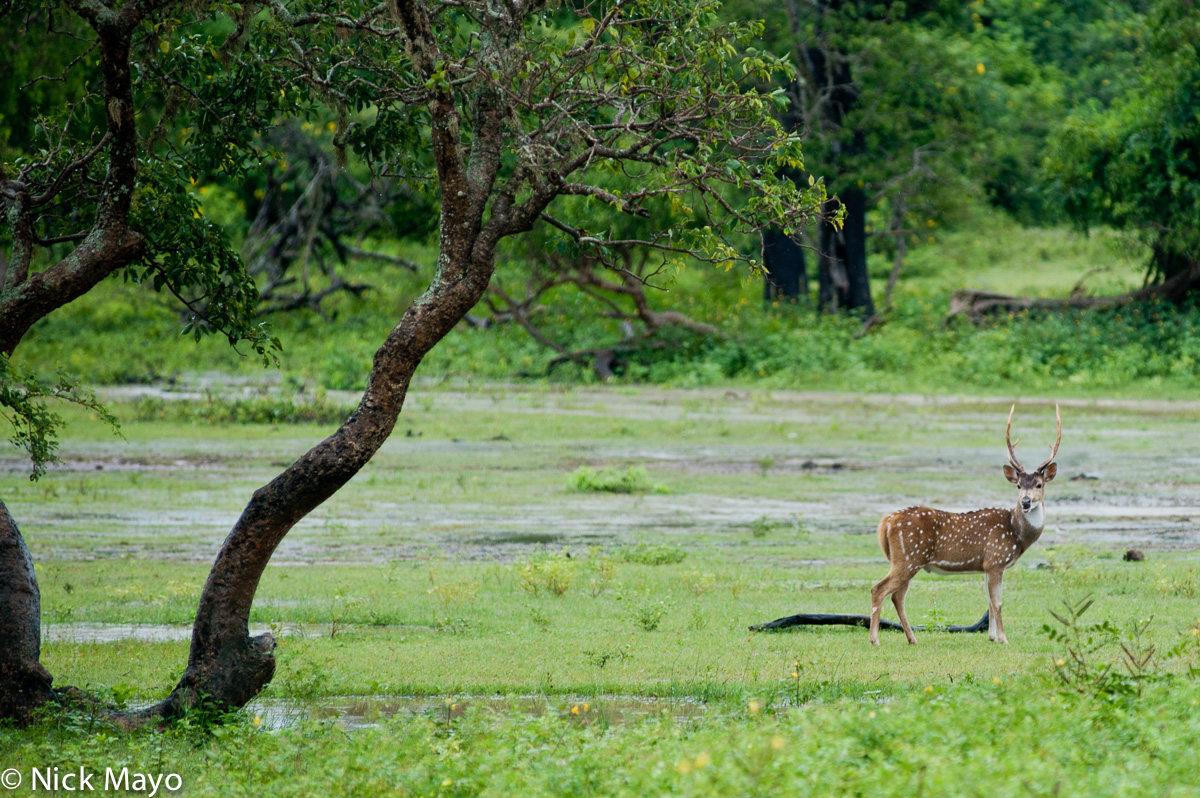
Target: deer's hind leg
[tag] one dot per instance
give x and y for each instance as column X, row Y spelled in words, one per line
column 896, row 581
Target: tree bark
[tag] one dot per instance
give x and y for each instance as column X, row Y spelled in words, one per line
column 786, row 278
column 24, row 683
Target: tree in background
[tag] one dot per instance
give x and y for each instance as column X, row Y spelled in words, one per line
column 517, row 114
column 1131, row 160
column 914, row 109
column 1135, row 165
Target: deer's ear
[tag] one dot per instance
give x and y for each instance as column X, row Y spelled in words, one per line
column 1010, row 474
column 1049, row 471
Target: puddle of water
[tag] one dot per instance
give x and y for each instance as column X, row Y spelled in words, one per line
column 365, row 712
column 152, row 632
column 522, row 537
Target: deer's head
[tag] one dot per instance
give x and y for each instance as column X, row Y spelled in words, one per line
column 1031, row 485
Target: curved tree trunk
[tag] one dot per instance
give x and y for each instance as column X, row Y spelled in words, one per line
column 225, row 665
column 26, row 684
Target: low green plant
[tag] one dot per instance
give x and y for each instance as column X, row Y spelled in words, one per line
column 539, row 617
column 603, row 567
column 634, row 479
column 1070, row 564
column 452, row 594
column 765, row 525
column 600, row 658
column 699, row 582
column 935, row 620
column 651, row 554
column 1100, row 659
column 1187, row 650
column 648, row 612
column 1187, row 586
column 553, row 572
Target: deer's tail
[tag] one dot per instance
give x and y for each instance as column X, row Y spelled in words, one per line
column 884, row 528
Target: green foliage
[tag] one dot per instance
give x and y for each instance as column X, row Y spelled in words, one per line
column 648, row 612
column 764, row 526
column 603, row 567
column 1149, row 347
column 842, row 747
column 634, row 479
column 23, row 403
column 1187, row 585
column 1133, row 166
column 192, row 259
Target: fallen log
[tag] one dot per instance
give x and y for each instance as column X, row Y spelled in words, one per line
column 976, row 305
column 838, row 619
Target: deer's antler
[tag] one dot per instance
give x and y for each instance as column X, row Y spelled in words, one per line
column 1012, row 455
column 1054, row 448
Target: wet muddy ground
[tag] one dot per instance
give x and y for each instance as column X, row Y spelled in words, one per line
column 482, row 476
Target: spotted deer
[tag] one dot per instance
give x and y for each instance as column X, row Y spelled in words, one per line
column 988, row 540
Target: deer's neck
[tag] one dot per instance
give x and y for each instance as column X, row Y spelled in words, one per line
column 1028, row 525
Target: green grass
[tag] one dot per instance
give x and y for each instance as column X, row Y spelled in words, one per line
column 1009, row 739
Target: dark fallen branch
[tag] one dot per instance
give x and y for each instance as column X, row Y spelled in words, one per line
column 975, row 305
column 838, row 619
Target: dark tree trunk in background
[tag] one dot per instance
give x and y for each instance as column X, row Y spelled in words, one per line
column 26, row 684
column 842, row 265
column 843, row 262
column 786, row 277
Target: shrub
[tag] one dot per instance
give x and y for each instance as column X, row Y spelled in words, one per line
column 634, row 479
column 651, row 554
column 648, row 613
column 553, row 572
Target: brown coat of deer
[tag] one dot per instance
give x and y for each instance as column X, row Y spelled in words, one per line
column 988, row 540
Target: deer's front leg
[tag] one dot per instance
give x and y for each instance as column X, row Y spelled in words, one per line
column 995, row 622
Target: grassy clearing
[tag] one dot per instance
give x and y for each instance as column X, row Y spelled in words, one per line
column 443, row 570
column 462, row 560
